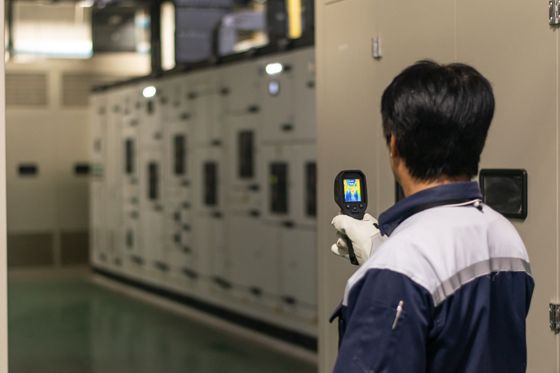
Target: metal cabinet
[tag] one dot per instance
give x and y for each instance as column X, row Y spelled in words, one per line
column 208, row 187
column 208, row 182
column 277, row 92
column 298, row 268
column 150, row 121
column 304, row 95
column 289, row 205
column 172, row 99
column 131, row 242
column 239, row 88
column 178, row 177
column 130, row 161
column 98, row 238
column 288, row 96
column 97, row 131
column 304, row 183
column 289, row 184
column 209, row 206
column 205, row 102
column 178, row 148
column 255, row 260
column 243, row 165
column 112, row 180
column 152, row 210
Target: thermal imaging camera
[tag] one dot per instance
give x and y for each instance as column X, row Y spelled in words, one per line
column 350, row 194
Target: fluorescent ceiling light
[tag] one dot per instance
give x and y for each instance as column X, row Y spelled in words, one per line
column 85, row 3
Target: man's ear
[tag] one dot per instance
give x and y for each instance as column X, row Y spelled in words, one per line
column 393, row 151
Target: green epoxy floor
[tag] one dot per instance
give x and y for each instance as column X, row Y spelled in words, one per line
column 64, row 323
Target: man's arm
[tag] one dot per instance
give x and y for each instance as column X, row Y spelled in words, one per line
column 387, row 320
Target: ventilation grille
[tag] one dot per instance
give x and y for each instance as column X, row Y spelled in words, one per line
column 76, row 87
column 26, row 89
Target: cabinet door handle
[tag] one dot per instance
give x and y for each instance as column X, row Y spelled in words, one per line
column 289, row 300
column 177, row 238
column 224, row 284
column 163, row 267
column 253, row 109
column 189, row 273
column 287, row 127
column 289, row 224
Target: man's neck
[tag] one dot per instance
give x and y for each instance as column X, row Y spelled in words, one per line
column 411, row 186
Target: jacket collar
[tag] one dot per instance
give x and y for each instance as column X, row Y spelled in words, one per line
column 441, row 195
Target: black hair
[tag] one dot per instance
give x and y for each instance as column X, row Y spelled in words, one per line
column 439, row 116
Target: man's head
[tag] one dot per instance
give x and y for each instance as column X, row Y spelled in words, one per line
column 436, row 118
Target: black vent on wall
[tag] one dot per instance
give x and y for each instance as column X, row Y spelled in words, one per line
column 28, row 169
column 76, row 87
column 82, row 169
column 26, row 89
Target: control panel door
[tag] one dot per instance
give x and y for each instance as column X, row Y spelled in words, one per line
column 277, row 92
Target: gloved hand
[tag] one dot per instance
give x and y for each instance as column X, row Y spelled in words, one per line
column 365, row 236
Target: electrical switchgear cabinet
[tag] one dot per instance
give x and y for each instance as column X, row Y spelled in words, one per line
column 208, row 187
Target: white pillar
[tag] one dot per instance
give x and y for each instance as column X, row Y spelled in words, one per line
column 3, row 245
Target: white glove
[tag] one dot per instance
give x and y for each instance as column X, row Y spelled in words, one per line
column 365, row 236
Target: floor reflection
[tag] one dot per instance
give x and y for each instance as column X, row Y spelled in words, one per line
column 64, row 323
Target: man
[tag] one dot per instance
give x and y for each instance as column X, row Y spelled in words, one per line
column 445, row 283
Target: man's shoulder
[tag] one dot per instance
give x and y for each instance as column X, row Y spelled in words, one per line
column 438, row 245
column 480, row 232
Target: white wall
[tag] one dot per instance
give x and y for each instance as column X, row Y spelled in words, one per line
column 52, row 207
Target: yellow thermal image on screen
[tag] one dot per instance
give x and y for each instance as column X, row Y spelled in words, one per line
column 352, row 191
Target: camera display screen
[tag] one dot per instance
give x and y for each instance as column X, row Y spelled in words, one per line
column 352, row 190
